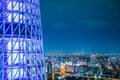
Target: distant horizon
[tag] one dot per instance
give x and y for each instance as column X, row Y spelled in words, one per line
column 81, row 53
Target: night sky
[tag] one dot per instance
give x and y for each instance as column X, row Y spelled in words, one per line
column 81, row 25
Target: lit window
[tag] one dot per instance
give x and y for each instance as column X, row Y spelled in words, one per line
column 15, row 73
column 22, row 7
column 16, row 17
column 15, row 6
column 9, row 7
column 16, row 58
column 16, row 43
column 9, row 17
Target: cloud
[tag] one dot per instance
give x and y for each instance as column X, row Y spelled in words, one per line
column 96, row 23
column 60, row 25
column 83, row 23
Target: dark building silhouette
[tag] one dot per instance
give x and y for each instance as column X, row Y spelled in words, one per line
column 49, row 70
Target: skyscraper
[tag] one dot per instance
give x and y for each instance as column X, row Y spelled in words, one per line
column 21, row 46
column 93, row 59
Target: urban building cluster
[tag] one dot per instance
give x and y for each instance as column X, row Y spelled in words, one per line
column 83, row 66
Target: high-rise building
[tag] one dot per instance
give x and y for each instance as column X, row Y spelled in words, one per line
column 21, row 46
column 49, row 70
column 93, row 59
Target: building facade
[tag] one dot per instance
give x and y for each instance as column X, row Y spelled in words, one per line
column 49, row 70
column 21, row 46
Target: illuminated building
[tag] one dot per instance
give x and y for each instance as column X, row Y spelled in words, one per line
column 49, row 70
column 21, row 46
column 93, row 59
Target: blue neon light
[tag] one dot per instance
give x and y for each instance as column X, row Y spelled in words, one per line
column 21, row 46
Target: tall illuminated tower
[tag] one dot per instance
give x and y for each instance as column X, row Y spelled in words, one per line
column 21, row 47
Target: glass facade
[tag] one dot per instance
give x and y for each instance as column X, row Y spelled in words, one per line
column 21, row 46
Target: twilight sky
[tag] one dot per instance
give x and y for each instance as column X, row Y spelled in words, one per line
column 76, row 25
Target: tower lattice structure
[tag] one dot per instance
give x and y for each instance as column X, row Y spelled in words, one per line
column 21, row 46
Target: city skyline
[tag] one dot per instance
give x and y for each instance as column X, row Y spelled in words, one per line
column 72, row 26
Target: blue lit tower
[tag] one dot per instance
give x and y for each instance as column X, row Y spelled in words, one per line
column 21, row 46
